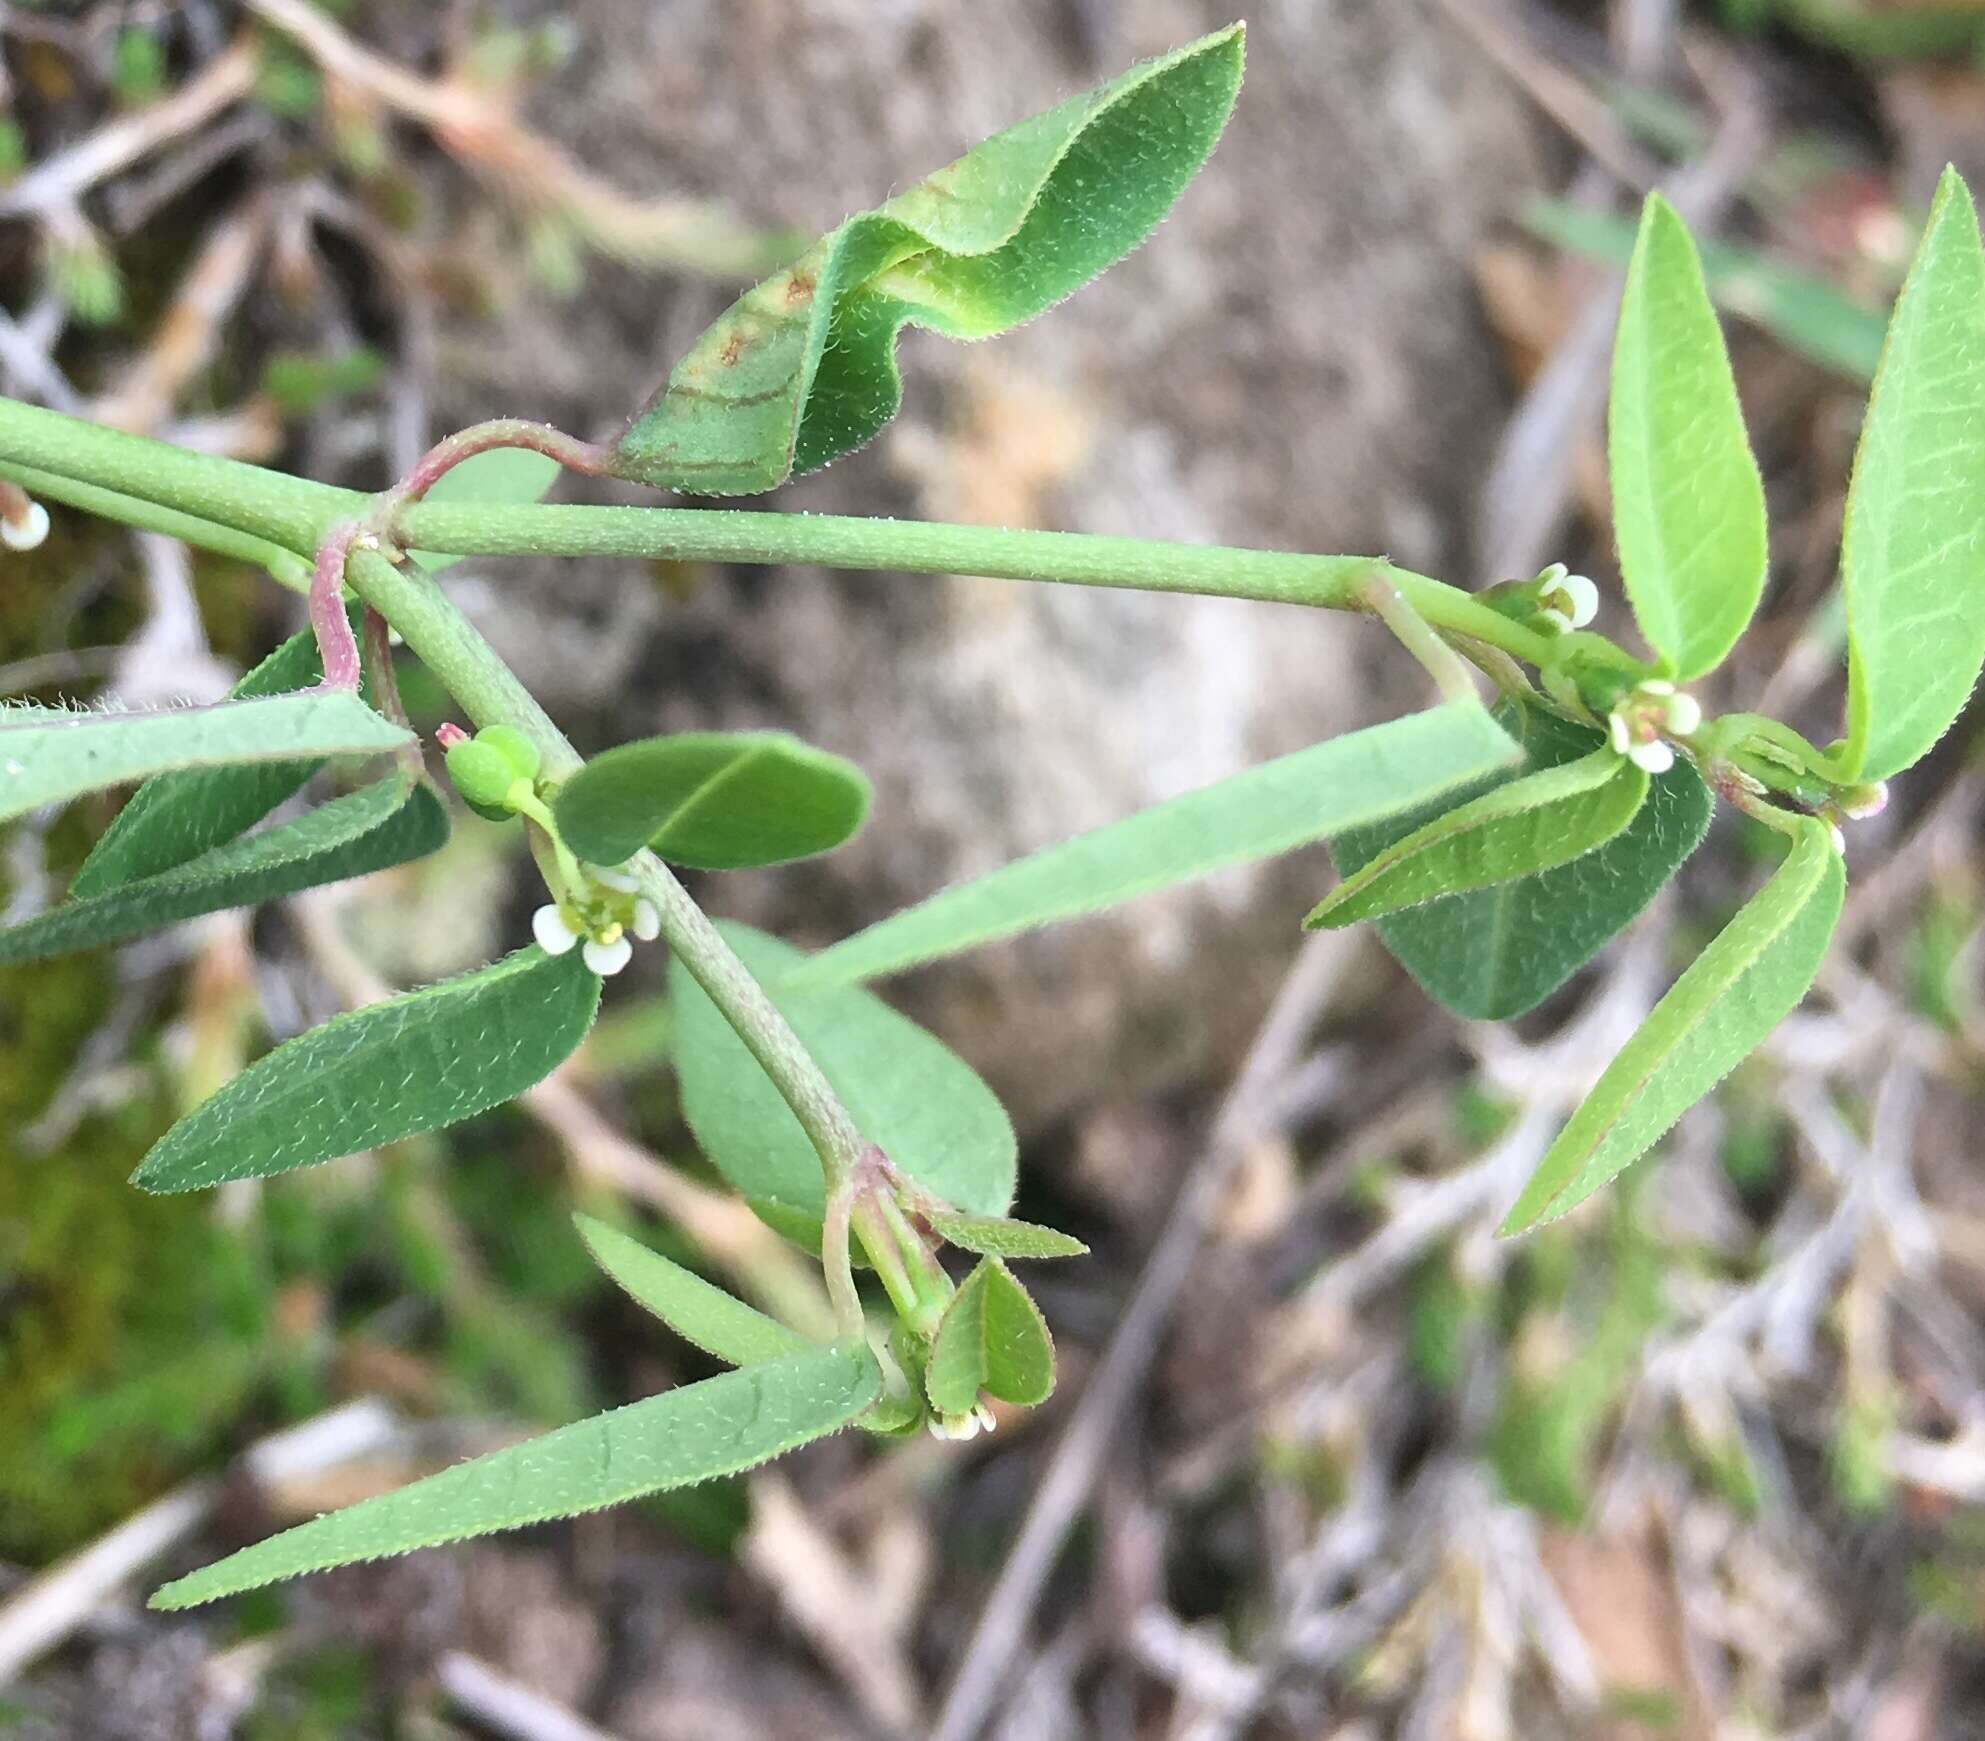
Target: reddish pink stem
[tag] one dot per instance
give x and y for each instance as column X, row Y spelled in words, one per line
column 336, row 644
column 590, row 458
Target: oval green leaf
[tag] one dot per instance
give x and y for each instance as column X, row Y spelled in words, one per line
column 50, row 760
column 712, row 801
column 173, row 818
column 992, row 1338
column 694, row 1433
column 1733, row 994
column 1531, row 824
column 997, row 1236
column 1346, row 783
column 1492, row 954
column 802, row 369
column 698, row 1311
column 1913, row 543
column 1688, row 503
column 383, row 824
column 908, row 1092
column 414, row 1063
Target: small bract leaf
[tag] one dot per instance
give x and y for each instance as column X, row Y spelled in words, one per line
column 996, row 1236
column 1492, row 954
column 694, row 1433
column 909, row 1094
column 1688, row 503
column 992, row 1338
column 417, row 1062
column 712, row 801
column 172, row 819
column 501, row 474
column 50, row 761
column 696, row 1310
column 1735, row 992
column 383, row 824
column 1528, row 825
column 1324, row 790
column 802, row 369
column 1913, row 544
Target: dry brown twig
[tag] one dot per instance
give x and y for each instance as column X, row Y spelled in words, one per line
column 535, row 174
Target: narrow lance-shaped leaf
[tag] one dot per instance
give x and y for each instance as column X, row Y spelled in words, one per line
column 908, row 1092
column 1913, row 543
column 712, row 801
column 695, row 1433
column 1494, row 953
column 992, row 1338
column 415, row 1063
column 997, row 1236
column 1688, row 503
column 44, row 761
column 803, row 368
column 1532, row 824
column 1345, row 783
column 386, row 823
column 174, row 818
column 1734, row 993
column 698, row 1311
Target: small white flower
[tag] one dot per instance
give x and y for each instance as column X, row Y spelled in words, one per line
column 553, row 931
column 1577, row 597
column 958, row 1427
column 1839, row 841
column 984, row 1416
column 1684, row 715
column 1556, row 621
column 26, row 532
column 1617, row 734
column 622, row 881
column 647, row 922
column 1656, row 758
column 607, row 959
column 1657, row 686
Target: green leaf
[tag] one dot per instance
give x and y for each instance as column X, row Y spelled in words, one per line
column 1514, row 830
column 1734, row 993
column 694, row 1433
column 514, row 475
column 712, row 801
column 173, row 818
column 996, row 1236
column 49, row 761
column 908, row 1092
column 1913, row 545
column 992, row 1338
column 417, row 1062
column 385, row 823
column 1492, row 954
column 1688, row 503
column 802, row 369
column 1345, row 783
column 696, row 1310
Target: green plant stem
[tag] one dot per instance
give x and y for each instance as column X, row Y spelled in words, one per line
column 284, row 565
column 925, row 547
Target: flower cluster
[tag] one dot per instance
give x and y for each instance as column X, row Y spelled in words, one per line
column 1643, row 721
column 966, row 1426
column 606, row 933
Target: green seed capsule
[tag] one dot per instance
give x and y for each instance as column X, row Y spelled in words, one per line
column 515, row 748
column 483, row 775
